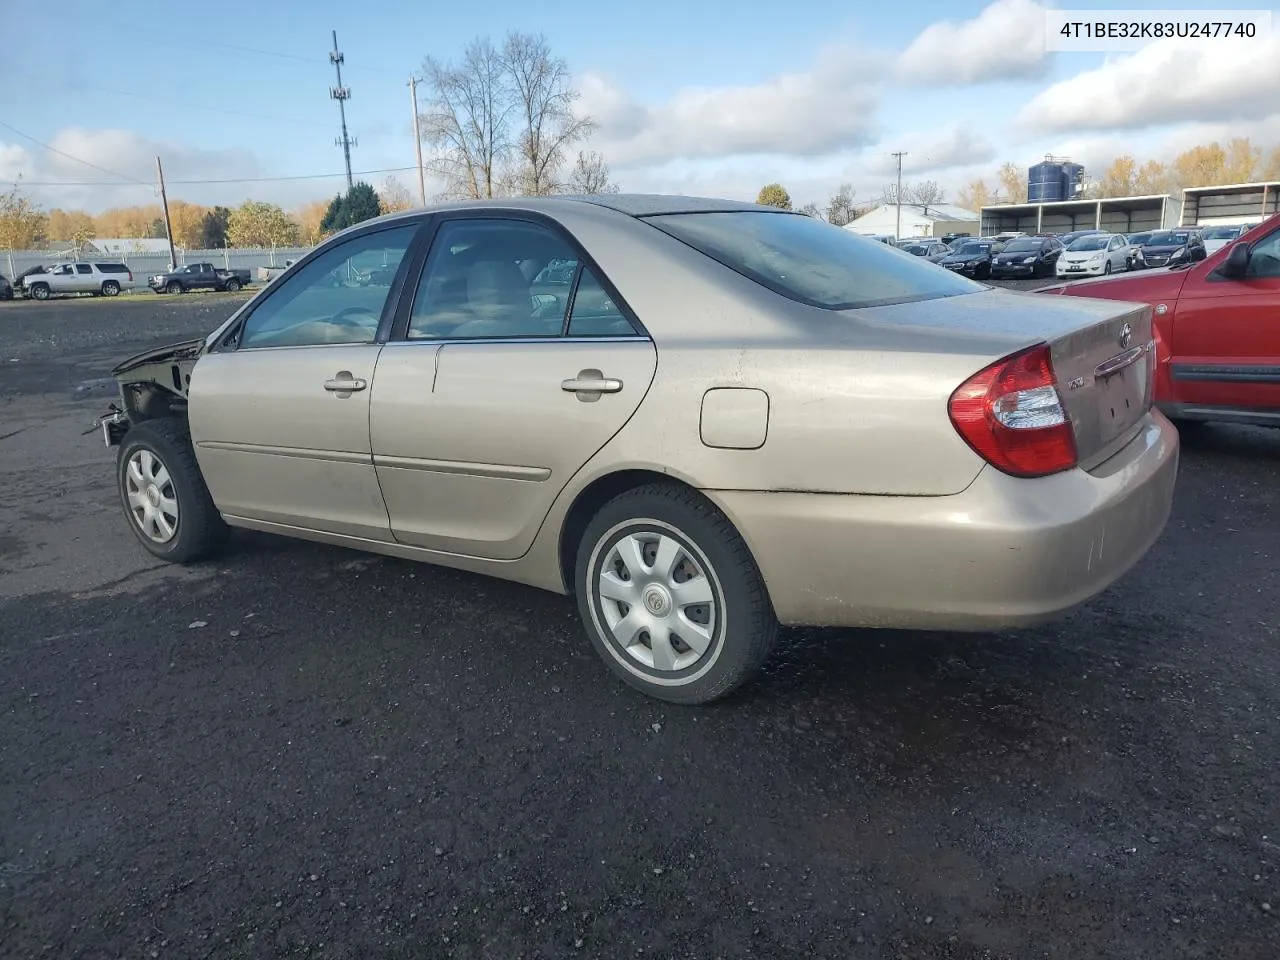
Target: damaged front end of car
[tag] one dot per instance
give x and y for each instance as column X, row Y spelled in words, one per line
column 152, row 384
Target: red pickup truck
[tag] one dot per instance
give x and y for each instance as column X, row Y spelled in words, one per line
column 1217, row 328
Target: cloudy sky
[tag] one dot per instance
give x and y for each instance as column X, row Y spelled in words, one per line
column 710, row 98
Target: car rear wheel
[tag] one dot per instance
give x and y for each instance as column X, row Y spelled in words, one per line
column 233, row 286
column 110, row 288
column 671, row 597
column 174, row 287
column 40, row 291
column 164, row 496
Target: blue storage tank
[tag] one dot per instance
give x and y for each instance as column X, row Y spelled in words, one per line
column 1045, row 182
column 1072, row 178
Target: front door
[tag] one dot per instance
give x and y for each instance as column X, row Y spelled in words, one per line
column 518, row 363
column 280, row 419
column 1225, row 348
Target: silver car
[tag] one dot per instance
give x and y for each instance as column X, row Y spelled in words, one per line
column 701, row 418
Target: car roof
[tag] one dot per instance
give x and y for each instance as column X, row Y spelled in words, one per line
column 631, row 204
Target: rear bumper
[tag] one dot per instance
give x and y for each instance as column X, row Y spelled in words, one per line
column 1004, row 553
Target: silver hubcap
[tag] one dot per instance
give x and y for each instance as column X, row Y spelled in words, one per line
column 658, row 601
column 153, row 503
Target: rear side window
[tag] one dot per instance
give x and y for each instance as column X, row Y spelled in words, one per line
column 812, row 262
column 113, row 268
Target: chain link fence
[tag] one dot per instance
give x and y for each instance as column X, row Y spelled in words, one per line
column 13, row 263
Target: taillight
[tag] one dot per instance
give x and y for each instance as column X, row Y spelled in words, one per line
column 1012, row 415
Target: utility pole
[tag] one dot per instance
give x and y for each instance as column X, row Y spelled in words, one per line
column 417, row 137
column 342, row 95
column 168, row 227
column 897, row 195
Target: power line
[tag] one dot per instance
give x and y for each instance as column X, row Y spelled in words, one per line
column 301, row 176
column 60, row 153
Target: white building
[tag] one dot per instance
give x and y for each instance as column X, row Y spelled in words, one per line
column 918, row 220
column 123, row 245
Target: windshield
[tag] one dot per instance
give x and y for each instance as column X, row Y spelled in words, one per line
column 1166, row 238
column 1025, row 245
column 811, row 261
column 1222, row 233
column 1089, row 243
column 972, row 249
column 1138, row 239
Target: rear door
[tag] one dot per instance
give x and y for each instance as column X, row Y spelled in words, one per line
column 1225, row 349
column 280, row 411
column 85, row 279
column 506, row 378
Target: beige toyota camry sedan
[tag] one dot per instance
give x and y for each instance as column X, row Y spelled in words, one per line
column 701, row 418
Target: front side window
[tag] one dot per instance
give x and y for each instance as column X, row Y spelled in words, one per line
column 493, row 279
column 1264, row 258
column 810, row 261
column 338, row 297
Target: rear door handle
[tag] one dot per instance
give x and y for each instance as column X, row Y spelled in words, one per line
column 591, row 382
column 345, row 383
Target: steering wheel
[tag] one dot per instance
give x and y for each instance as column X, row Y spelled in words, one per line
column 347, row 316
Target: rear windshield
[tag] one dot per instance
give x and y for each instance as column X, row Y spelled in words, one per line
column 1222, row 233
column 810, row 261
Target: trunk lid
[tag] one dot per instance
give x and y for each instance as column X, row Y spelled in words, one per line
column 1101, row 351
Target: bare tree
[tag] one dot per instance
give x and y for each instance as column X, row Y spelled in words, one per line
column 813, row 210
column 890, row 194
column 468, row 120
column 590, row 174
column 544, row 99
column 840, row 206
column 926, row 193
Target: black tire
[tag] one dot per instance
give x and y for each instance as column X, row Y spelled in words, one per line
column 110, row 288
column 40, row 291
column 233, row 286
column 744, row 627
column 200, row 530
column 173, row 286
column 1106, row 269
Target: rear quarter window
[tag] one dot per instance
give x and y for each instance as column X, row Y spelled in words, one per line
column 112, row 268
column 810, row 261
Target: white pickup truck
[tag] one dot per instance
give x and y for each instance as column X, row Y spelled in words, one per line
column 107, row 279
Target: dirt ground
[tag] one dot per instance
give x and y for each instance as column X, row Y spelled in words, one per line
column 300, row 751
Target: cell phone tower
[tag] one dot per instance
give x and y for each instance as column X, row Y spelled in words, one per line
column 342, row 95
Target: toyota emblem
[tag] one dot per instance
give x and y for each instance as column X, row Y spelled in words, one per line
column 1126, row 336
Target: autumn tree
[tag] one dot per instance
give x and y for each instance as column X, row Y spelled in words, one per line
column 256, row 223
column 128, row 221
column 774, row 195
column 976, row 195
column 1242, row 161
column 1151, row 178
column 67, row 225
column 590, row 174
column 394, row 196
column 1012, row 181
column 308, row 217
column 213, row 228
column 1271, row 166
column 187, row 220
column 1119, row 179
column 23, row 224
column 840, row 207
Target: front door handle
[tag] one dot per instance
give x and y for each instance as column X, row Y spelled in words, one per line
column 345, row 383
column 589, row 384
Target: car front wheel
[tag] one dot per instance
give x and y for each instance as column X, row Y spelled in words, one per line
column 671, row 596
column 164, row 496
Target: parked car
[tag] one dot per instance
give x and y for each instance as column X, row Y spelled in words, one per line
column 1027, row 257
column 951, row 239
column 1215, row 238
column 931, row 250
column 971, row 258
column 267, row 274
column 684, row 442
column 199, row 276
column 1168, row 248
column 6, row 288
column 105, row 279
column 1093, row 255
column 1217, row 329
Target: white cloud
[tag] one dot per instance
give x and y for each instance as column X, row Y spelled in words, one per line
column 1006, row 41
column 827, row 108
column 963, row 145
column 1163, row 84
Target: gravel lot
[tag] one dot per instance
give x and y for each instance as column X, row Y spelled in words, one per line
column 301, row 751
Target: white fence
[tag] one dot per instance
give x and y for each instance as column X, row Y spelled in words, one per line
column 143, row 265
